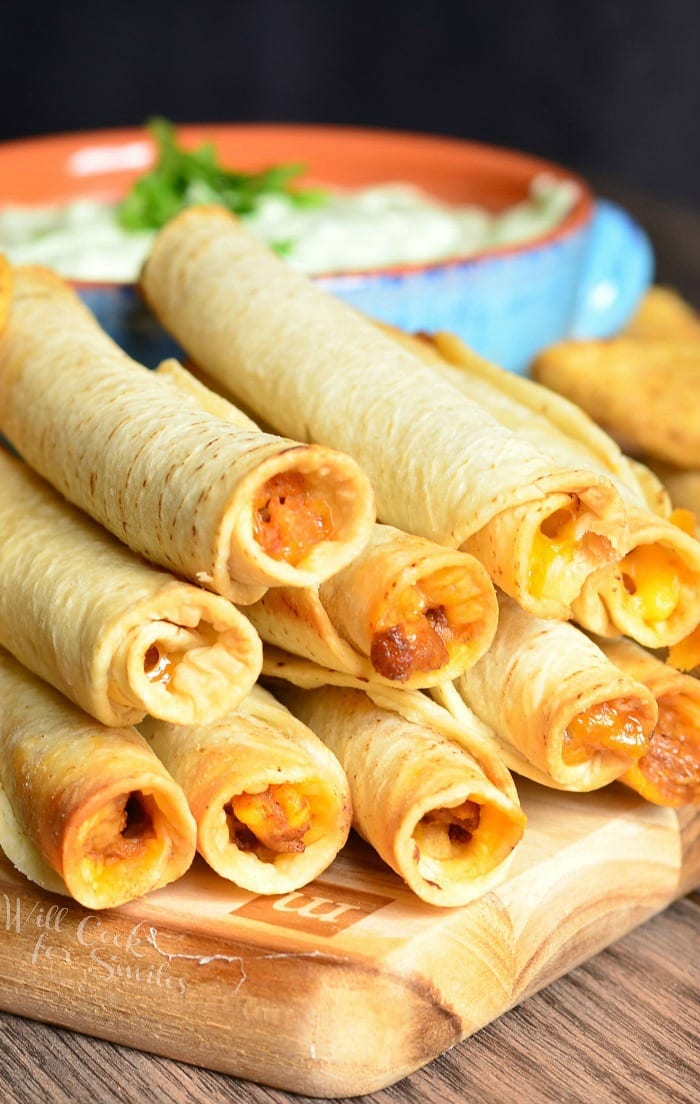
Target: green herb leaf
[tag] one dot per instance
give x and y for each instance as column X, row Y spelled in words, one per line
column 182, row 178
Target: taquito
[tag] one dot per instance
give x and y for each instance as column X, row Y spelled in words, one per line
column 224, row 505
column 419, row 799
column 84, row 809
column 548, row 420
column 116, row 635
column 416, row 706
column 563, row 714
column 441, row 466
column 406, row 611
column 653, row 593
column 669, row 771
column 272, row 804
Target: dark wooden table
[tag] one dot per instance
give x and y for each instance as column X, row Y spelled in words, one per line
column 624, row 1028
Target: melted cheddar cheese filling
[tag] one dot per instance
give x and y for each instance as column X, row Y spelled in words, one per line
column 554, row 548
column 612, row 726
column 289, row 519
column 422, row 624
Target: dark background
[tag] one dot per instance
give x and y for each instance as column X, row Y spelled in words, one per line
column 608, row 88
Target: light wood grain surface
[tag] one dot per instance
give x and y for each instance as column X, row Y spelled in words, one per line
column 624, row 1027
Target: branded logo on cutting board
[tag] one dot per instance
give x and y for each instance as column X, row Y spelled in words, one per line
column 321, row 910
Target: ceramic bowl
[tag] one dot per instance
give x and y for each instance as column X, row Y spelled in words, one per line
column 583, row 279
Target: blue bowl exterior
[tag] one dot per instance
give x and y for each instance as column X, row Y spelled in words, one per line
column 507, row 307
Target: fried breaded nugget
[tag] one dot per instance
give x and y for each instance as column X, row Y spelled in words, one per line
column 663, row 313
column 644, row 392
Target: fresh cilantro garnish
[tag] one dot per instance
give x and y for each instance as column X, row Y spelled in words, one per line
column 182, row 178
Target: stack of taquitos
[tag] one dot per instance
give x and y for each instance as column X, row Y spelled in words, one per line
column 83, row 808
column 223, row 504
column 652, row 591
column 442, row 467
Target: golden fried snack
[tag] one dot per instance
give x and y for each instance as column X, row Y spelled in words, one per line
column 669, row 771
column 645, row 392
column 419, row 798
column 663, row 313
column 222, row 504
column 653, row 593
column 116, row 635
column 562, row 713
column 406, row 611
column 547, row 420
column 272, row 804
column 84, row 809
column 442, row 466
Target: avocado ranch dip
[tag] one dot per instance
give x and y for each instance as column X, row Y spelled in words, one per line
column 316, row 230
column 372, row 228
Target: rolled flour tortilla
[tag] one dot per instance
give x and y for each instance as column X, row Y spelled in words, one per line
column 223, row 504
column 419, row 798
column 669, row 771
column 652, row 594
column 546, row 419
column 84, row 809
column 406, row 611
column 563, row 714
column 442, row 467
column 116, row 635
column 272, row 804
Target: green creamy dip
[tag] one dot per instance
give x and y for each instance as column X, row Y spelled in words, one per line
column 368, row 229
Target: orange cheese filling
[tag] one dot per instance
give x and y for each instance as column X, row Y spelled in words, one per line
column 420, row 626
column 612, row 726
column 652, row 576
column 672, row 762
column 553, row 550
column 277, row 819
column 289, row 519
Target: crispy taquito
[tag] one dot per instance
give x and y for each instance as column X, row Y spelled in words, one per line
column 652, row 594
column 225, row 505
column 406, row 609
column 272, row 804
column 84, row 809
column 419, row 798
column 442, row 466
column 116, row 635
column 563, row 714
column 546, row 419
column 669, row 771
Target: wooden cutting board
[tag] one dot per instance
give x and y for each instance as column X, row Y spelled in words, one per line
column 350, row 984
